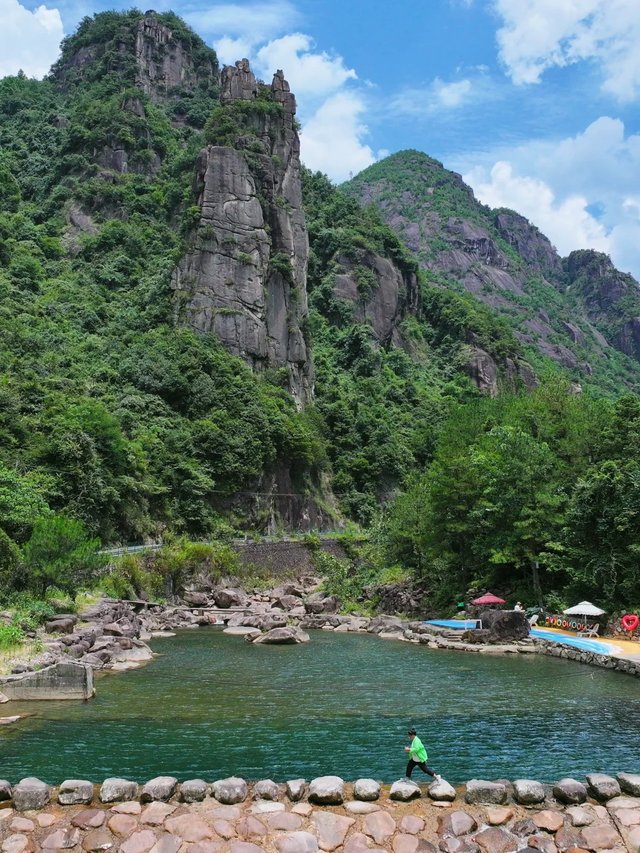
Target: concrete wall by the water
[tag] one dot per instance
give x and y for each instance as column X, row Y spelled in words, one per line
column 60, row 681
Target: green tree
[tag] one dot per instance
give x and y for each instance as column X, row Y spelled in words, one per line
column 21, row 502
column 60, row 553
column 9, row 564
column 602, row 534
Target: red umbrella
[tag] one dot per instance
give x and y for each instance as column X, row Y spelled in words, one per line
column 488, row 598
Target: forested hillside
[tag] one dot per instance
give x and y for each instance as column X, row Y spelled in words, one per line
column 579, row 311
column 199, row 336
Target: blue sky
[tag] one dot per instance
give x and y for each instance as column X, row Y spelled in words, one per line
column 535, row 102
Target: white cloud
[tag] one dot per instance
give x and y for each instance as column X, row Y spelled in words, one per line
column 308, row 73
column 451, row 95
column 230, row 49
column 567, row 222
column 581, row 190
column 332, row 139
column 255, row 22
column 238, row 28
column 28, row 40
column 333, row 133
column 437, row 96
column 539, row 34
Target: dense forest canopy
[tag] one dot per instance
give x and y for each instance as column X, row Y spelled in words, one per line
column 118, row 425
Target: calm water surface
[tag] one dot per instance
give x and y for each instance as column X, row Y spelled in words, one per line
column 213, row 705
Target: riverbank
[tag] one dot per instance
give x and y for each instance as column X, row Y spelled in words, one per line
column 328, row 814
column 112, row 635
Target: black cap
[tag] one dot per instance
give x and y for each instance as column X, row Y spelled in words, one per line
column 411, row 731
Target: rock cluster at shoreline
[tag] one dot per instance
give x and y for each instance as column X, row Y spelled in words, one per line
column 327, row 814
column 105, row 636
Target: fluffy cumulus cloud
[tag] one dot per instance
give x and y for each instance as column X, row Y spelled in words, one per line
column 331, row 99
column 539, row 34
column 581, row 191
column 29, row 40
column 332, row 139
column 567, row 222
column 310, row 73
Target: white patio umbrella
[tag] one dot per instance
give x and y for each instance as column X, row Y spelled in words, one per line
column 585, row 608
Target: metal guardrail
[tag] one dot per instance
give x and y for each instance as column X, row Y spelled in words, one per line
column 242, row 540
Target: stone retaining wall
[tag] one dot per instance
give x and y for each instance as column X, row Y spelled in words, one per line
column 558, row 650
column 284, row 559
column 601, row 813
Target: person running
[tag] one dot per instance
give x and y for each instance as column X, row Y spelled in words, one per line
column 418, row 757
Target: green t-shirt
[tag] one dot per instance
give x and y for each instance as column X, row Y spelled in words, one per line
column 417, row 750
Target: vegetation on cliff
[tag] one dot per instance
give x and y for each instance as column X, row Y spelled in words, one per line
column 118, row 424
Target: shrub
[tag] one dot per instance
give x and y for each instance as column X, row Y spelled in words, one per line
column 10, row 636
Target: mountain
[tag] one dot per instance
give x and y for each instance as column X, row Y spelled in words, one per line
column 579, row 311
column 198, row 335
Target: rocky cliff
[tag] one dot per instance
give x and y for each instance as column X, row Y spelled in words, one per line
column 244, row 274
column 505, row 262
column 609, row 298
column 156, row 53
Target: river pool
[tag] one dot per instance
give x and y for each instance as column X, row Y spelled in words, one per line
column 211, row 705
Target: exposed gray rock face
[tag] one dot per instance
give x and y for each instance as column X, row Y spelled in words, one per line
column 5, row 790
column 165, row 64
column 30, row 793
column 505, row 262
column 244, row 276
column 75, row 791
column 238, row 83
column 601, row 288
column 483, row 371
column 327, row 791
column 115, row 790
column 382, row 298
column 529, row 242
column 481, row 791
column 230, row 791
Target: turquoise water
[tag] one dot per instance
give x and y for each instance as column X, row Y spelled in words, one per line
column 213, row 705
